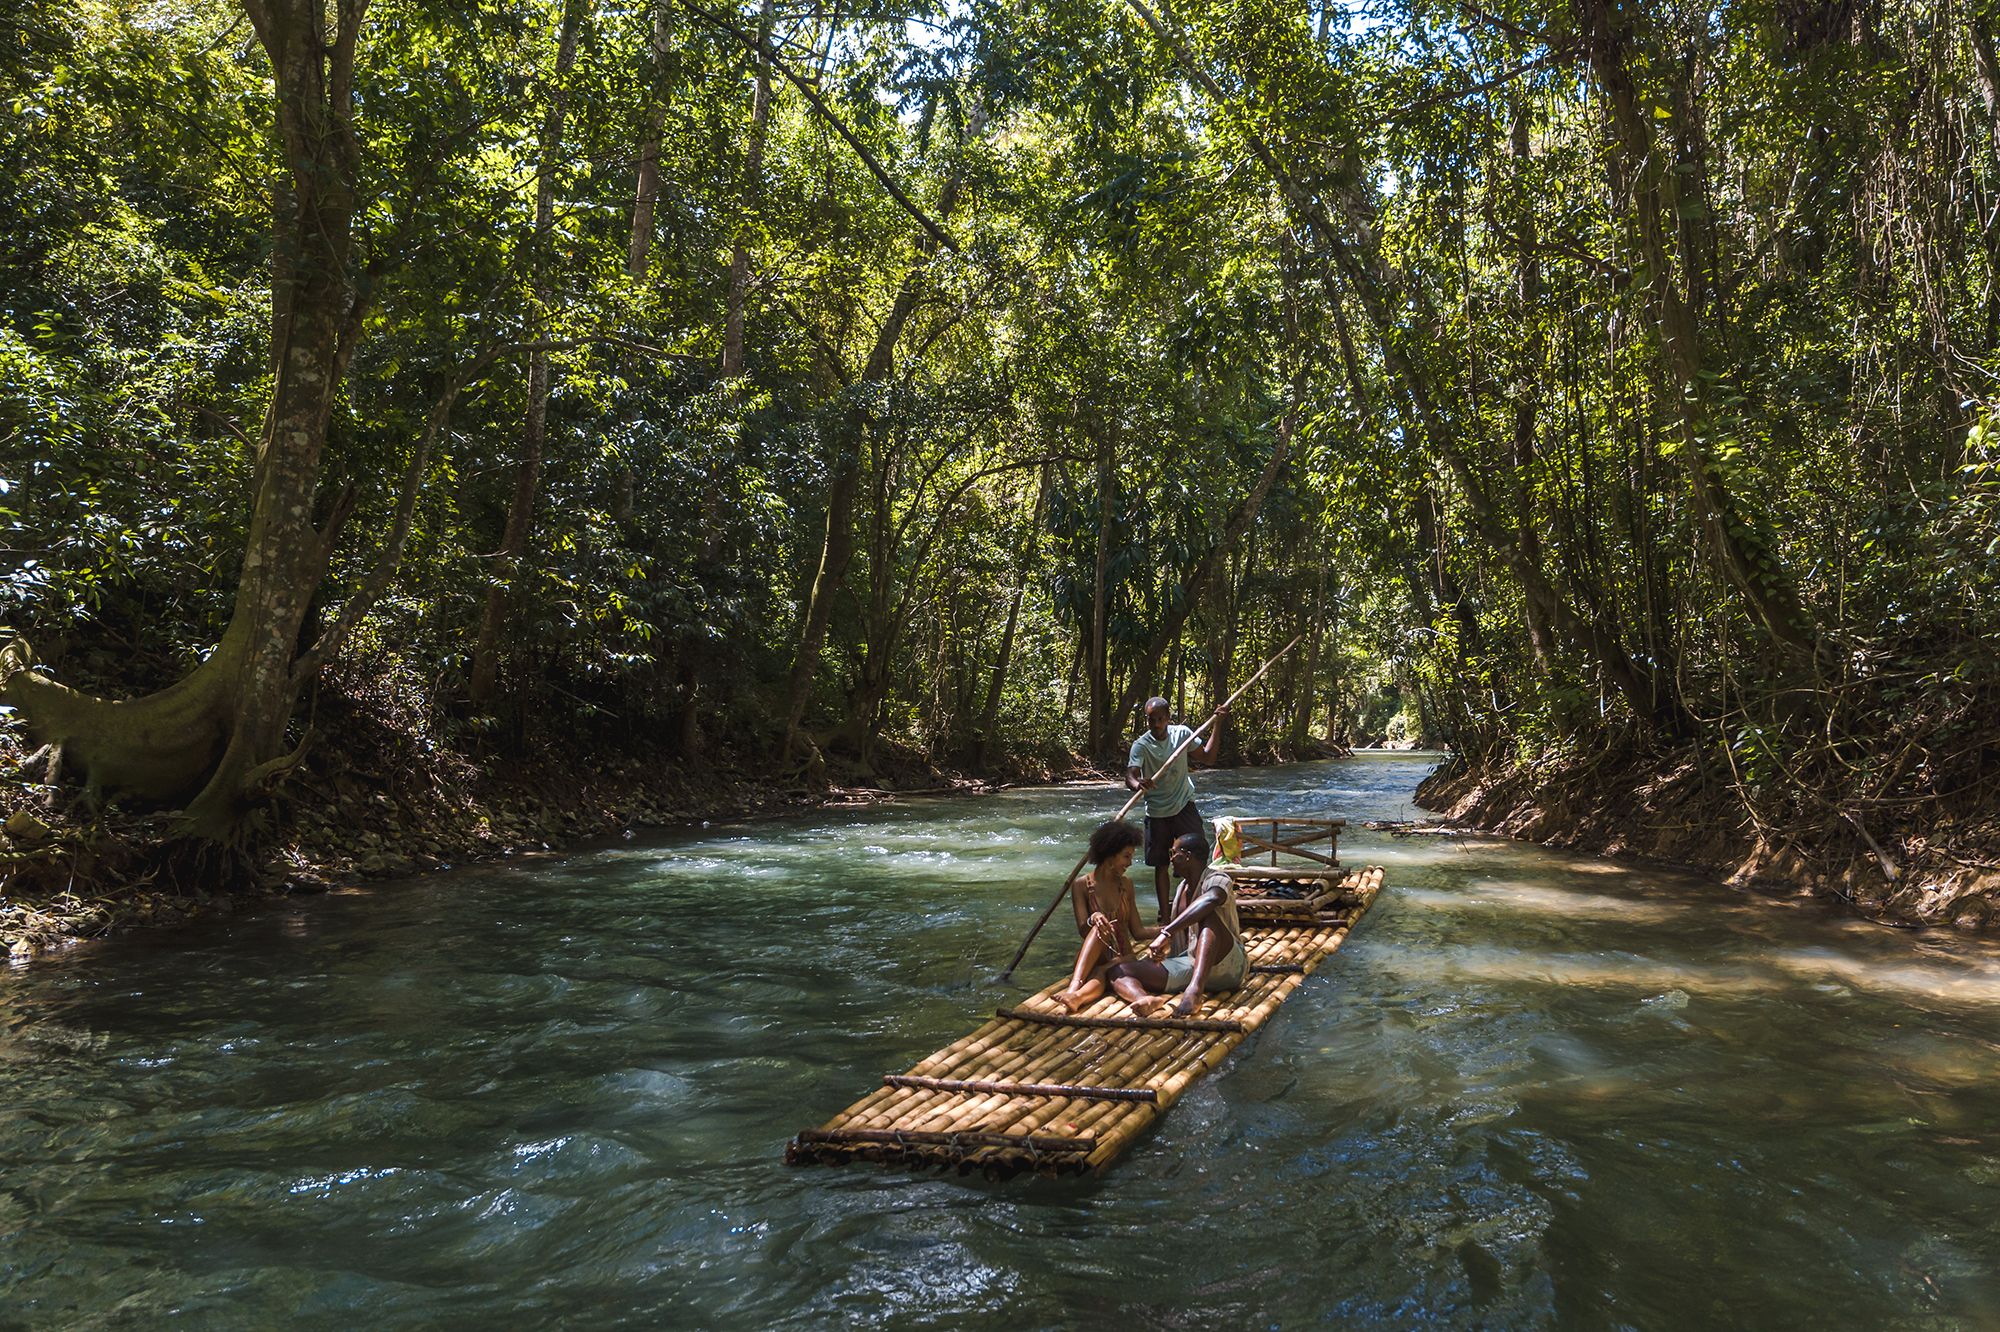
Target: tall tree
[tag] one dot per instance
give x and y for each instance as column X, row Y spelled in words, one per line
column 220, row 735
column 504, row 592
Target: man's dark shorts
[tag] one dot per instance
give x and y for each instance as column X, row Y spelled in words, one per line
column 1160, row 833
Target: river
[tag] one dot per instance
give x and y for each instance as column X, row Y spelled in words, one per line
column 1534, row 1089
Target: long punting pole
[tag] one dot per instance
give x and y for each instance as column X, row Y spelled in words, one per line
column 1127, row 808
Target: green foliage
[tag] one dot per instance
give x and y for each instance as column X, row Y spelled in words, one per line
column 1448, row 312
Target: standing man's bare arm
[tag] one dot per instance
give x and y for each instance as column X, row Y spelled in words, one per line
column 1208, row 752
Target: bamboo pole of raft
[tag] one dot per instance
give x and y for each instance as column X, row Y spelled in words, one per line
column 1033, row 1116
column 976, row 1040
column 1032, row 1051
column 1060, row 1063
column 983, row 1115
column 1110, row 1066
column 977, row 1111
column 1057, row 1071
column 986, row 1060
column 980, row 1096
column 1130, row 1023
column 892, row 1105
column 1019, row 1046
column 1106, row 1117
column 1105, row 1063
column 1081, row 1092
column 1125, row 1068
column 1031, row 1061
column 1126, row 808
column 1086, row 1119
column 1081, row 1058
column 932, row 1109
column 991, row 1112
column 896, row 1137
column 1121, row 1067
column 1086, row 1065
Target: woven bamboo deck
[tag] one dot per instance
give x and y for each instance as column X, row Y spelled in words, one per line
column 1037, row 1089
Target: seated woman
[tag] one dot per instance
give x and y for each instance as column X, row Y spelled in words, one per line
column 1107, row 912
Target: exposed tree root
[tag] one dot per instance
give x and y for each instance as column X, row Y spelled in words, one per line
column 385, row 794
column 160, row 748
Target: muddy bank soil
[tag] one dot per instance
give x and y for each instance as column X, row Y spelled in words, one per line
column 1943, row 870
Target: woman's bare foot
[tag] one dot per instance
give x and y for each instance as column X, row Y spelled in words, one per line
column 1148, row 1006
column 1083, row 996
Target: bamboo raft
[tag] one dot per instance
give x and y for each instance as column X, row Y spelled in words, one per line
column 1038, row 1089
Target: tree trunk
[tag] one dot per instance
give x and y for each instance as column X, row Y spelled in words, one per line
column 1306, row 692
column 1336, row 733
column 1527, row 383
column 989, row 715
column 647, row 194
column 1739, row 537
column 836, row 548
column 879, row 628
column 220, row 734
column 1239, row 521
column 1072, row 680
column 689, row 660
column 1383, row 296
column 1381, row 292
column 1222, row 656
column 837, row 542
column 503, row 594
column 753, row 188
column 1448, row 597
column 1244, row 515
column 1098, row 734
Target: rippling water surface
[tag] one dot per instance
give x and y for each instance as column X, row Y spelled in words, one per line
column 1533, row 1090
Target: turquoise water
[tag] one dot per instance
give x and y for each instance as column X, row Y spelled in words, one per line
column 1533, row 1090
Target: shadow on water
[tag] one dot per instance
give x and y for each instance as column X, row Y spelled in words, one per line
column 1533, row 1090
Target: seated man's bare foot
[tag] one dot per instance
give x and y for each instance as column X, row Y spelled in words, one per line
column 1189, row 1002
column 1150, row 1005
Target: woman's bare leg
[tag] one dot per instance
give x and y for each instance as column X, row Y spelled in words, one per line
column 1139, row 983
column 1082, row 989
column 1079, row 997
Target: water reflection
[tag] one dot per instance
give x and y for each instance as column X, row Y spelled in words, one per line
column 1534, row 1090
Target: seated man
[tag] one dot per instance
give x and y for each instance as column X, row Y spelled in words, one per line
column 1212, row 958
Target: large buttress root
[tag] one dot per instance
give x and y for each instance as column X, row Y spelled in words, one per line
column 161, row 748
column 200, row 743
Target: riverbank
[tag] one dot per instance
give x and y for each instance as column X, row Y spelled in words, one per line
column 384, row 794
column 1943, row 872
column 384, row 802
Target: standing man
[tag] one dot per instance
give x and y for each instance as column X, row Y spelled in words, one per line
column 1170, row 810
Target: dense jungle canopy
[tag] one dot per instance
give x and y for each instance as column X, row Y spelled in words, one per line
column 793, row 383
